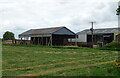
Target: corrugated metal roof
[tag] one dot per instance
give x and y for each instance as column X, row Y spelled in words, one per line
column 100, row 31
column 47, row 31
column 41, row 31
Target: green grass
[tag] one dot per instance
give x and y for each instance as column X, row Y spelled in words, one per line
column 99, row 70
column 0, row 57
column 57, row 61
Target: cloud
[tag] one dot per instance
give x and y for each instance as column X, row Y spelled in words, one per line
column 21, row 15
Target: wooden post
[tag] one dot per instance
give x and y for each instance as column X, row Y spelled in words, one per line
column 75, row 40
column 42, row 40
column 31, row 42
column 38, row 40
column 46, row 40
column 51, row 40
column 21, row 41
column 34, row 40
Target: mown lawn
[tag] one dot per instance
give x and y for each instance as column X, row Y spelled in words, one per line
column 57, row 61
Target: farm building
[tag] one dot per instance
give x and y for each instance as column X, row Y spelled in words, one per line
column 105, row 35
column 117, row 36
column 47, row 36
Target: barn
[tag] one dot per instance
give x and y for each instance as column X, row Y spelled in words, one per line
column 104, row 35
column 47, row 36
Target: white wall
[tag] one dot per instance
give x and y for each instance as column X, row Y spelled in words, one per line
column 81, row 38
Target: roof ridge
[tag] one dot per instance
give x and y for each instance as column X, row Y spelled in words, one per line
column 43, row 31
column 104, row 28
column 48, row 28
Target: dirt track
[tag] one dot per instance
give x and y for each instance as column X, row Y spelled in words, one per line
column 50, row 64
column 65, row 68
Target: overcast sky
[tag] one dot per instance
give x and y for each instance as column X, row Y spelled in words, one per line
column 18, row 16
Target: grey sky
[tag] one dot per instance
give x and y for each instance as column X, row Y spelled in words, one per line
column 21, row 15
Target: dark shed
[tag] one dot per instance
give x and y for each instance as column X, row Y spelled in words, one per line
column 48, row 36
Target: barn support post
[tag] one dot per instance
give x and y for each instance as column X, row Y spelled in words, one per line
column 46, row 40
column 75, row 40
column 51, row 40
column 42, row 39
column 21, row 38
column 21, row 41
column 24, row 40
column 33, row 40
column 38, row 40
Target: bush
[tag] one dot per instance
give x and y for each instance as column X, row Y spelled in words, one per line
column 113, row 45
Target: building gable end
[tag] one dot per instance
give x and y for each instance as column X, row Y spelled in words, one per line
column 64, row 31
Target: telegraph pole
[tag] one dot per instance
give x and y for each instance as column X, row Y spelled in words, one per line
column 91, row 29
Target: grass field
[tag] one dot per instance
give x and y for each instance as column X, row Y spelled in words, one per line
column 0, row 58
column 57, row 61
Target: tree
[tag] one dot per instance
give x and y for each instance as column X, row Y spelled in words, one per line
column 8, row 36
column 118, row 10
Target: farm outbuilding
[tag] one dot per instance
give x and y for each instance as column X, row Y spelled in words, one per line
column 105, row 35
column 117, row 38
column 48, row 36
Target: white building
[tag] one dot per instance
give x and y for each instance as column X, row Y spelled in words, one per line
column 105, row 35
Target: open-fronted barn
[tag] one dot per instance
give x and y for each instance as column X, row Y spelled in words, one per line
column 48, row 36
